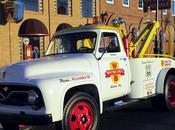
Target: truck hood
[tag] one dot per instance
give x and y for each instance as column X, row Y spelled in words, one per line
column 49, row 66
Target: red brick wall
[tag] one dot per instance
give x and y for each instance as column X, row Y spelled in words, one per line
column 132, row 15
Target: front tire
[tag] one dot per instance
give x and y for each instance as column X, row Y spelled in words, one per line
column 81, row 112
column 9, row 126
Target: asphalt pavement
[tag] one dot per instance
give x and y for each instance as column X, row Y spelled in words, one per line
column 140, row 116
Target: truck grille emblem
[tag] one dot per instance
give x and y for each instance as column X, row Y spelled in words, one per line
column 4, row 92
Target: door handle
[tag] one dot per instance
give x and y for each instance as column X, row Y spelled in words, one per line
column 113, row 54
column 123, row 59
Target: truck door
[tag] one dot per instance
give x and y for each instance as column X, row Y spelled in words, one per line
column 113, row 65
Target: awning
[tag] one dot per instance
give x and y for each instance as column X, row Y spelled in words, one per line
column 63, row 26
column 32, row 28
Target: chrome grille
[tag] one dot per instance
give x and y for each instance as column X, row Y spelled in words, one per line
column 17, row 94
column 4, row 92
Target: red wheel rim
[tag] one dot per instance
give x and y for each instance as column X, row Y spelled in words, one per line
column 171, row 93
column 81, row 116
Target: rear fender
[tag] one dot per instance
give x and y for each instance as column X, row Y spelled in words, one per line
column 161, row 80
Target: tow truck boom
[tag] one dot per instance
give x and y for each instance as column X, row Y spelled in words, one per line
column 144, row 39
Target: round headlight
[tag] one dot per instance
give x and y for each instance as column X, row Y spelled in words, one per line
column 32, row 97
column 2, row 74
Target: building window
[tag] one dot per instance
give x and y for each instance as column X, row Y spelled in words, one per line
column 110, row 1
column 86, row 8
column 31, row 5
column 62, row 7
column 126, row 3
column 140, row 4
column 173, row 7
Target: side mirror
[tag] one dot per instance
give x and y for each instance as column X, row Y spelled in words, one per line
column 102, row 49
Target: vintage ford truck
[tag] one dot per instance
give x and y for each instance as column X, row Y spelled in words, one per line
column 85, row 72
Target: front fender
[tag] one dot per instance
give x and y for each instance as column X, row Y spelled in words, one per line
column 51, row 92
column 54, row 89
column 81, row 84
column 90, row 80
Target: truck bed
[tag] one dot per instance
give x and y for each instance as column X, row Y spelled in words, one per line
column 145, row 73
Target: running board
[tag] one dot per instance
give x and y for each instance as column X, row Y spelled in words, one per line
column 120, row 104
column 151, row 96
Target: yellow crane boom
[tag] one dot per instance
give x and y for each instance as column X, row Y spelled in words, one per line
column 144, row 38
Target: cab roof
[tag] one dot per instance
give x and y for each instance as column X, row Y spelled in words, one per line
column 84, row 28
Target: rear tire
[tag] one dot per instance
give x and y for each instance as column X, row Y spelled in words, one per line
column 167, row 100
column 170, row 93
column 81, row 112
column 9, row 126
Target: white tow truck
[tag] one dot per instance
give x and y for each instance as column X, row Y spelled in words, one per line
column 85, row 72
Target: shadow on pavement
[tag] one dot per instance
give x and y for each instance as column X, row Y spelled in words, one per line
column 139, row 116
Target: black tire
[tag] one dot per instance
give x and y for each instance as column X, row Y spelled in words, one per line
column 81, row 112
column 167, row 100
column 9, row 126
column 170, row 93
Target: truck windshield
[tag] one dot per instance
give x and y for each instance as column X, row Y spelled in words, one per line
column 83, row 42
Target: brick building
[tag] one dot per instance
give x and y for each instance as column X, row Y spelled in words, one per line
column 132, row 12
column 51, row 13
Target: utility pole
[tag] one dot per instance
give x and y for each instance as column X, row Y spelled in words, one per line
column 156, row 50
column 161, row 36
column 171, row 34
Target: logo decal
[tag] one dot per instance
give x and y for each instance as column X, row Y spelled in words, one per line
column 165, row 63
column 148, row 71
column 115, row 72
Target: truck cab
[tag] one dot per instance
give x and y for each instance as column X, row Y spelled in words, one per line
column 109, row 62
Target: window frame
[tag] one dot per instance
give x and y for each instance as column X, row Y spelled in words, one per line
column 117, row 41
column 173, row 8
column 38, row 7
column 164, row 11
column 67, row 9
column 140, row 8
column 51, row 47
column 110, row 2
column 81, row 7
column 125, row 5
